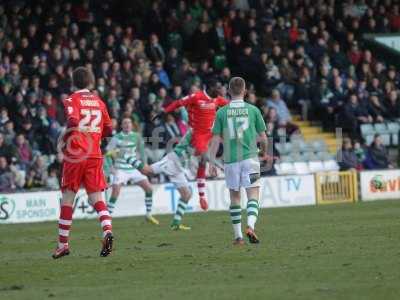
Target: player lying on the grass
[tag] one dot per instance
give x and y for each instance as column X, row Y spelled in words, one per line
column 87, row 123
column 201, row 107
column 123, row 146
column 173, row 165
column 240, row 125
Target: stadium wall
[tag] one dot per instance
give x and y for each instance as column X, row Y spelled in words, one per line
column 276, row 191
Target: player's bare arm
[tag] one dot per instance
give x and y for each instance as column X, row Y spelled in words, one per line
column 213, row 149
column 262, row 139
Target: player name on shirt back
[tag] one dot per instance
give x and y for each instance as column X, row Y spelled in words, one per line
column 234, row 112
column 90, row 103
column 207, row 105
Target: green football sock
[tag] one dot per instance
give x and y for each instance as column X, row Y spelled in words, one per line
column 180, row 211
column 236, row 218
column 148, row 201
column 252, row 212
column 112, row 200
column 111, row 203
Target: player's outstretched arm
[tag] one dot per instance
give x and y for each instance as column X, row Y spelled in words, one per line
column 184, row 102
column 143, row 168
column 221, row 101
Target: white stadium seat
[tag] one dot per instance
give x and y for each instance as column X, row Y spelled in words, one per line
column 301, row 168
column 285, row 168
column 316, row 166
column 331, row 165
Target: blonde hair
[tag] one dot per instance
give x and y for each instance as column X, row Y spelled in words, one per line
column 237, row 86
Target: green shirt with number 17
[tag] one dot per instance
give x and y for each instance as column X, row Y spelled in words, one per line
column 239, row 123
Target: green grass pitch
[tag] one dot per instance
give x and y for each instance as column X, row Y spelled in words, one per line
column 325, row 252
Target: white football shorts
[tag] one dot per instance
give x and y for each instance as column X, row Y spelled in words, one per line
column 171, row 166
column 123, row 176
column 242, row 174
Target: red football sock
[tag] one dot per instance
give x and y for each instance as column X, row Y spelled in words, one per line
column 201, row 180
column 64, row 225
column 104, row 216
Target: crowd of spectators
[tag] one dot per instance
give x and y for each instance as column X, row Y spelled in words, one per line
column 299, row 54
column 355, row 156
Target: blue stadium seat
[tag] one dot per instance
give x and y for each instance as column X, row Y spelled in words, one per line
column 309, row 156
column 282, row 134
column 318, row 146
column 297, row 156
column 382, row 129
column 283, row 148
column 393, row 129
column 325, row 156
column 367, row 132
column 286, row 158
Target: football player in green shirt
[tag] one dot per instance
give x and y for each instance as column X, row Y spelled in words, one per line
column 124, row 147
column 240, row 126
column 174, row 165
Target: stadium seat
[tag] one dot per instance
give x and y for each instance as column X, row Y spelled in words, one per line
column 367, row 132
column 318, row 146
column 299, row 145
column 309, row 156
column 282, row 134
column 393, row 129
column 284, row 168
column 286, row 158
column 297, row 157
column 331, row 165
column 316, row 166
column 301, row 168
column 324, row 156
column 284, row 148
column 382, row 129
column 279, row 147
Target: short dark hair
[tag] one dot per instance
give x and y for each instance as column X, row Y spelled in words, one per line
column 213, row 86
column 237, row 85
column 82, row 78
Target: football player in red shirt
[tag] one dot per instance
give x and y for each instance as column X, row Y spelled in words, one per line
column 87, row 123
column 202, row 108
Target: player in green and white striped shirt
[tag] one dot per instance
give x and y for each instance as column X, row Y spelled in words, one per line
column 124, row 147
column 174, row 165
column 240, row 125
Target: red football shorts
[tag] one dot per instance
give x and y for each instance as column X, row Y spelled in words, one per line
column 200, row 142
column 88, row 173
